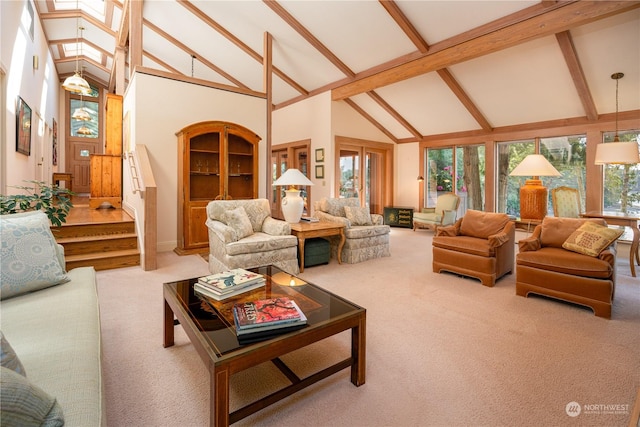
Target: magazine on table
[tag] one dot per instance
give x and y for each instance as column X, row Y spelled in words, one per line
column 267, row 313
column 229, row 280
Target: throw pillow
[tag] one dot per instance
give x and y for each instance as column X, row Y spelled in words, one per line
column 9, row 358
column 591, row 238
column 238, row 220
column 358, row 216
column 29, row 260
column 22, row 403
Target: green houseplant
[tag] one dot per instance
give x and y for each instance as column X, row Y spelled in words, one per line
column 51, row 199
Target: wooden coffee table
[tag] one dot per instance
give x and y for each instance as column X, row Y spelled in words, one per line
column 309, row 230
column 209, row 326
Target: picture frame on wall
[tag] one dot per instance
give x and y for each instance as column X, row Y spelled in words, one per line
column 319, row 171
column 23, row 127
column 54, row 148
column 320, row 155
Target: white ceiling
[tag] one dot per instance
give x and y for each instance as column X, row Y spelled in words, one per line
column 526, row 83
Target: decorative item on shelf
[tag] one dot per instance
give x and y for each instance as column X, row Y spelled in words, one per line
column 76, row 83
column 292, row 203
column 533, row 195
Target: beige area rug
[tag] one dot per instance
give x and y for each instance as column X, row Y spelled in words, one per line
column 442, row 350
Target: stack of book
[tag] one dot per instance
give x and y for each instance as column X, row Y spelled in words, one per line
column 263, row 319
column 229, row 283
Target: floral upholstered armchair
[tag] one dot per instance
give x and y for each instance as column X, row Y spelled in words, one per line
column 366, row 235
column 242, row 234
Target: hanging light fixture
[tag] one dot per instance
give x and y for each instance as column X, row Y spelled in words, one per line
column 75, row 83
column 616, row 152
column 81, row 113
column 83, row 130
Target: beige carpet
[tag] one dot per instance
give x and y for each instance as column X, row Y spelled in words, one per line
column 441, row 351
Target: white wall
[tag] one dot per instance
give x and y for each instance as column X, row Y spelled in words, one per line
column 159, row 108
column 39, row 88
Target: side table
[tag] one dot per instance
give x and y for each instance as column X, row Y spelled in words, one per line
column 307, row 230
column 398, row 216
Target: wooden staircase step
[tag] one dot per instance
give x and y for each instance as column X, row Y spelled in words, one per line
column 93, row 229
column 105, row 260
column 105, row 243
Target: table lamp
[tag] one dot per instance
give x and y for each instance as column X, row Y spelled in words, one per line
column 533, row 195
column 292, row 203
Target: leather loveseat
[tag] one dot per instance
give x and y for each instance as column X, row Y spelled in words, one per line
column 544, row 267
column 480, row 245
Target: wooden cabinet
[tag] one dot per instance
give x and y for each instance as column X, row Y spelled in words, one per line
column 398, row 217
column 216, row 160
column 106, row 169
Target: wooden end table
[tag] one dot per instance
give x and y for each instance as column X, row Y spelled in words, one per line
column 308, row 230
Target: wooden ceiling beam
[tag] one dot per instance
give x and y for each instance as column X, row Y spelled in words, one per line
column 373, row 121
column 77, row 13
column 123, row 28
column 244, row 47
column 161, row 62
column 310, row 38
column 393, row 113
column 401, row 19
column 559, row 17
column 577, row 74
column 423, row 47
column 193, row 53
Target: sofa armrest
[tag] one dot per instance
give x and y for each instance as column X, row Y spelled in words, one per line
column 222, row 231
column 506, row 235
column 609, row 255
column 449, row 230
column 533, row 242
column 323, row 216
column 276, row 227
column 377, row 219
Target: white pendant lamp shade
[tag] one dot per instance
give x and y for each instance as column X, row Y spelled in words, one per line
column 81, row 114
column 292, row 203
column 617, row 153
column 77, row 84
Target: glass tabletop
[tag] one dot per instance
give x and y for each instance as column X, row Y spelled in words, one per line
column 214, row 319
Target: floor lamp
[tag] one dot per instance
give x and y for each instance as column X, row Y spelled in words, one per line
column 292, row 203
column 533, row 195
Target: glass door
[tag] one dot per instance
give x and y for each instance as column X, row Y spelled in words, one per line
column 362, row 175
column 278, row 167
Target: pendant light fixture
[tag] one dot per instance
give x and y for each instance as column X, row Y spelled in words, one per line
column 83, row 130
column 75, row 83
column 616, row 152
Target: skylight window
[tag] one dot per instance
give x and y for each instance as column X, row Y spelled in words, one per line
column 95, row 8
column 82, row 49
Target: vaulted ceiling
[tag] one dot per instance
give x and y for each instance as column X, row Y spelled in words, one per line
column 413, row 68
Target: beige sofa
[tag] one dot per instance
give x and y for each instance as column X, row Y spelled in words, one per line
column 544, row 267
column 51, row 322
column 366, row 237
column 242, row 234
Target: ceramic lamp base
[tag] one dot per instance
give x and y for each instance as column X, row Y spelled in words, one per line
column 292, row 206
column 533, row 200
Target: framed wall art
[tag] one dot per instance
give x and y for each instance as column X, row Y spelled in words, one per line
column 320, row 155
column 23, row 127
column 319, row 171
column 54, row 148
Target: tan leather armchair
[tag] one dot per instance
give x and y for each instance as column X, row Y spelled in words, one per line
column 544, row 267
column 480, row 245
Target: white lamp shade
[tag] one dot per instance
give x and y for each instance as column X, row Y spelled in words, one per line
column 535, row 165
column 292, row 177
column 617, row 153
column 77, row 84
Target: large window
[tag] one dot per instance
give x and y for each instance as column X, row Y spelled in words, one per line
column 621, row 183
column 460, row 170
column 566, row 153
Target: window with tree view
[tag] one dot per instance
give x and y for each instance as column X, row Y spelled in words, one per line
column 460, row 170
column 621, row 182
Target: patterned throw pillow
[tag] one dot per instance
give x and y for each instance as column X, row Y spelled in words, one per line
column 9, row 358
column 358, row 216
column 29, row 260
column 238, row 220
column 591, row 238
column 22, row 403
